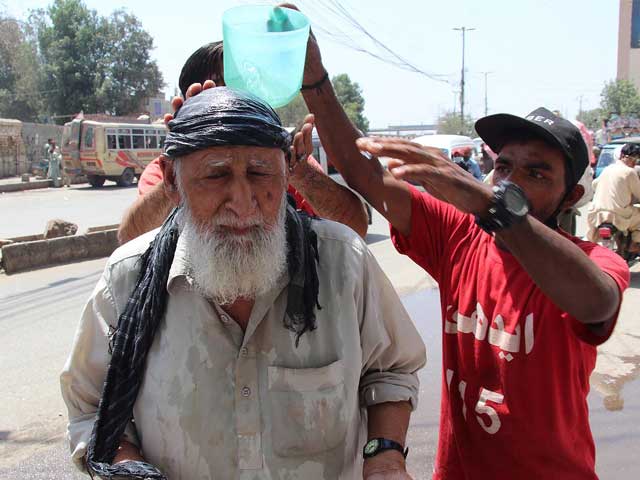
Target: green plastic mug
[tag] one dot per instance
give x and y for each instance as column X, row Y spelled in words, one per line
column 264, row 51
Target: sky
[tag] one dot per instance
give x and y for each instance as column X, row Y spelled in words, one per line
column 553, row 53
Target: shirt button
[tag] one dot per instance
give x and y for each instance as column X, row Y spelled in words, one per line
column 245, row 392
column 244, row 351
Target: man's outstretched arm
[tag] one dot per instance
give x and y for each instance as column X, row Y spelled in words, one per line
column 561, row 270
column 148, row 212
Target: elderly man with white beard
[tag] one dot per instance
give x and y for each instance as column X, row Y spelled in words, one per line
column 243, row 339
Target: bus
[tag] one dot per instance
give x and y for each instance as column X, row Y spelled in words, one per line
column 110, row 151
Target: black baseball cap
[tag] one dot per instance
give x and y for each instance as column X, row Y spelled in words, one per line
column 496, row 130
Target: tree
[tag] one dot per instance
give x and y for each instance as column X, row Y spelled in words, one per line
column 293, row 113
column 350, row 96
column 592, row 119
column 94, row 63
column 130, row 74
column 451, row 124
column 620, row 97
column 20, row 73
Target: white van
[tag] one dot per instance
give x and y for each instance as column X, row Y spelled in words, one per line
column 446, row 143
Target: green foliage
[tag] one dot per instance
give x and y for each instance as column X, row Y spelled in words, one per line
column 19, row 73
column 592, row 119
column 292, row 114
column 130, row 74
column 350, row 96
column 66, row 59
column 450, row 123
column 620, row 97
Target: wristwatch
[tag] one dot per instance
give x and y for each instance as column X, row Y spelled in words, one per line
column 509, row 206
column 377, row 445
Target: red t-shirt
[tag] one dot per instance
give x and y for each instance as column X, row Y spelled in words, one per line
column 515, row 367
column 152, row 175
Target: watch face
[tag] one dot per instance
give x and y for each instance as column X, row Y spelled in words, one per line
column 371, row 446
column 515, row 202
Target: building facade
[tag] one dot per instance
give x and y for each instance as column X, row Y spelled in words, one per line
column 629, row 42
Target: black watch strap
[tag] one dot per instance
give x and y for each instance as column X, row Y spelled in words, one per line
column 378, row 445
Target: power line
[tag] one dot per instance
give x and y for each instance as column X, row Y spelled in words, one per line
column 387, row 54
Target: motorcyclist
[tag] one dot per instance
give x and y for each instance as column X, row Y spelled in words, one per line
column 616, row 190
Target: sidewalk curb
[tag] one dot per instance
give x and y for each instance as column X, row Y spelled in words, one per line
column 36, row 184
column 18, row 257
column 19, row 187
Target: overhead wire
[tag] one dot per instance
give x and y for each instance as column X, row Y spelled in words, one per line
column 318, row 9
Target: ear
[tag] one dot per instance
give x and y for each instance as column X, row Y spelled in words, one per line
column 573, row 197
column 170, row 186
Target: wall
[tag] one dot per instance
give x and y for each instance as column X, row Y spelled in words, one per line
column 12, row 151
column 35, row 135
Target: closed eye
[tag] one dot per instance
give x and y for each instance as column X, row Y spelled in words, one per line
column 215, row 176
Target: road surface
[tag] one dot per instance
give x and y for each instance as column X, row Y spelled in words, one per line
column 40, row 310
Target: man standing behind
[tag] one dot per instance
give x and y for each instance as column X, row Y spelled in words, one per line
column 241, row 349
column 617, row 189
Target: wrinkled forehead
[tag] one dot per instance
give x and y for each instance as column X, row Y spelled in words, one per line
column 229, row 156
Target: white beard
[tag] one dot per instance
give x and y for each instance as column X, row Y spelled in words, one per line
column 228, row 267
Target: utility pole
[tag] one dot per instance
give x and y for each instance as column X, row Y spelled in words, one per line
column 486, row 101
column 464, row 30
column 580, row 109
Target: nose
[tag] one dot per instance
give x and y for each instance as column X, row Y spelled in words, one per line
column 241, row 199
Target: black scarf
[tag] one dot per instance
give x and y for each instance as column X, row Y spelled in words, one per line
column 134, row 334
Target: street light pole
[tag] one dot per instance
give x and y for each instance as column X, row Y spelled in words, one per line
column 464, row 30
column 486, row 100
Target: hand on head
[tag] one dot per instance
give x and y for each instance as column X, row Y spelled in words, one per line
column 194, row 89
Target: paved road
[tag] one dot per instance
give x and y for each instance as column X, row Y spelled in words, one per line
column 27, row 212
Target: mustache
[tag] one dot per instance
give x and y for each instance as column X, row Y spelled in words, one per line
column 228, row 220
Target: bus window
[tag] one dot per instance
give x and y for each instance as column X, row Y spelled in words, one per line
column 138, row 138
column 150, row 139
column 88, row 137
column 124, row 138
column 112, row 143
column 162, row 138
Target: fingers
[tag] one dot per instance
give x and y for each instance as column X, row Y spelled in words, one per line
column 402, row 149
column 311, row 118
column 288, row 5
column 298, row 146
column 416, row 173
column 176, row 103
column 307, row 138
column 167, row 118
column 194, row 89
column 208, row 84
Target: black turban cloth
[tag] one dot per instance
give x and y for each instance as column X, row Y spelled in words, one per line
column 257, row 124
column 223, row 116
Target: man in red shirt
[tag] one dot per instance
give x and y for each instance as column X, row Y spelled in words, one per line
column 311, row 188
column 524, row 304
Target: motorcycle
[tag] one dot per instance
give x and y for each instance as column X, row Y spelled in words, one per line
column 617, row 241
